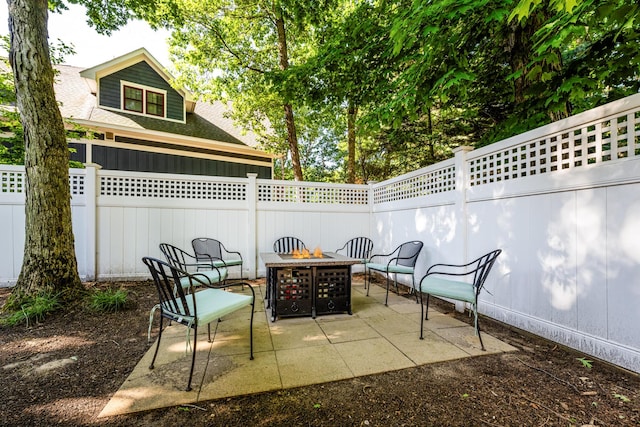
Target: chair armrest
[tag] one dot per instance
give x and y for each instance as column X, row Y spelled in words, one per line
column 204, row 280
column 449, row 270
column 377, row 256
column 209, row 263
column 225, row 285
column 234, row 252
column 230, row 252
column 455, row 269
column 198, row 262
column 384, row 255
column 398, row 257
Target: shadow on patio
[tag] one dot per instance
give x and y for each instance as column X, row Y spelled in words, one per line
column 295, row 352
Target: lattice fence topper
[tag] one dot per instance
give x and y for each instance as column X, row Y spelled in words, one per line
column 15, row 182
column 597, row 142
column 306, row 193
column 172, row 188
column 77, row 183
column 429, row 182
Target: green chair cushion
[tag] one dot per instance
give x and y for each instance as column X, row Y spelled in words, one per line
column 402, row 269
column 447, row 288
column 211, row 275
column 212, row 304
column 227, row 262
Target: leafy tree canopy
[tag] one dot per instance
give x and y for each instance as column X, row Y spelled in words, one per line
column 418, row 77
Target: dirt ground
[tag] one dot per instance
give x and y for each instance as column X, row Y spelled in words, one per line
column 64, row 371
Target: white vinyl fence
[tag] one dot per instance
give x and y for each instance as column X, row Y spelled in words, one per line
column 561, row 201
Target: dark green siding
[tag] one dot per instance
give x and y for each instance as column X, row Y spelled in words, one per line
column 80, row 154
column 143, row 161
column 140, row 73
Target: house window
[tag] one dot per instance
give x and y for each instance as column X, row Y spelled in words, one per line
column 133, row 99
column 155, row 103
column 141, row 100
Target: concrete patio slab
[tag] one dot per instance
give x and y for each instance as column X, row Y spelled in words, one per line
column 293, row 352
column 350, row 329
column 311, row 365
column 239, row 375
column 431, row 349
column 372, row 356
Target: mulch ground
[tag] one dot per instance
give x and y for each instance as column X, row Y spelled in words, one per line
column 64, row 371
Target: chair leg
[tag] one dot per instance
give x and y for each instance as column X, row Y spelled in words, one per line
column 251, row 329
column 193, row 356
column 426, row 313
column 414, row 290
column 477, row 325
column 421, row 317
column 157, row 345
column 367, row 280
column 268, row 287
column 241, row 277
column 386, row 301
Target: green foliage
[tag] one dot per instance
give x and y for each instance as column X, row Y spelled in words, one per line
column 585, row 362
column 11, row 132
column 109, row 300
column 424, row 76
column 33, row 309
column 622, row 397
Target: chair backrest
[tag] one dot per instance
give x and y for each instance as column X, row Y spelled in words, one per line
column 483, row 266
column 408, row 253
column 358, row 247
column 167, row 281
column 285, row 245
column 175, row 256
column 207, row 249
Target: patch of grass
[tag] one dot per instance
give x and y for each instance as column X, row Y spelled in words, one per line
column 109, row 300
column 33, row 310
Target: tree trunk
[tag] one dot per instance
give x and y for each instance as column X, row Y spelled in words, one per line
column 49, row 263
column 351, row 143
column 292, row 137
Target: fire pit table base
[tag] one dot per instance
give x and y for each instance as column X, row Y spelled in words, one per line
column 308, row 287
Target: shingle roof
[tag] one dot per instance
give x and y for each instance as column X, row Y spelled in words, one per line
column 77, row 98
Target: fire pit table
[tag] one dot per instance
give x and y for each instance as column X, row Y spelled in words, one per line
column 308, row 286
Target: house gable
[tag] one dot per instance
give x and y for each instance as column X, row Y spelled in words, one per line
column 138, row 70
column 144, row 77
column 188, row 138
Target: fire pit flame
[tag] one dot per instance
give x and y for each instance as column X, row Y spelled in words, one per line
column 305, row 254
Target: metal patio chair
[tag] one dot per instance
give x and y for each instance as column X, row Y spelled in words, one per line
column 443, row 280
column 184, row 261
column 359, row 248
column 401, row 261
column 284, row 245
column 212, row 250
column 193, row 309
